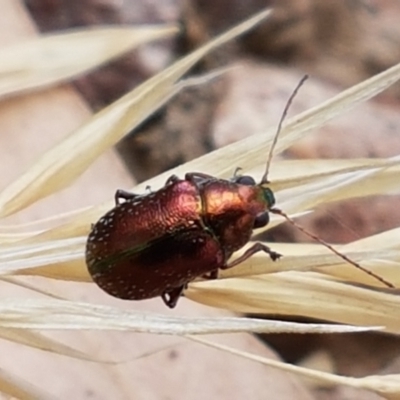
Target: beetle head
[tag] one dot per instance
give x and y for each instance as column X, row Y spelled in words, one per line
column 267, row 196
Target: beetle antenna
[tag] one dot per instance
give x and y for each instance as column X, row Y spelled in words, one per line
column 278, row 131
column 331, row 248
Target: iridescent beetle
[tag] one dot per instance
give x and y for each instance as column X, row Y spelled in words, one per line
column 155, row 244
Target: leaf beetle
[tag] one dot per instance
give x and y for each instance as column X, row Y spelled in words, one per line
column 154, row 244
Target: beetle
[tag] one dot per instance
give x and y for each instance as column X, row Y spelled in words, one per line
column 155, row 244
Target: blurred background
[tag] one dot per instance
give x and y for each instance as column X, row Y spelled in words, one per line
column 338, row 43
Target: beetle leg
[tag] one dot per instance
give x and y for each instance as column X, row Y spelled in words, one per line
column 236, row 173
column 253, row 250
column 211, row 275
column 172, row 179
column 171, row 296
column 198, row 177
column 123, row 194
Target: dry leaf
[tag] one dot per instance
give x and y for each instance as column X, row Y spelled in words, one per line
column 53, row 58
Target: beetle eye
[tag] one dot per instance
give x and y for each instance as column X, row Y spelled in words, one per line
column 269, row 196
column 245, row 180
column 261, row 220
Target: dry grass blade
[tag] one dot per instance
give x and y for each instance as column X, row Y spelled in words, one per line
column 41, row 342
column 63, row 314
column 54, row 58
column 51, row 252
column 301, row 257
column 249, row 153
column 58, row 252
column 57, row 259
column 379, row 253
column 252, row 152
column 20, row 389
column 387, row 386
column 317, row 184
column 62, row 164
column 69, row 270
column 295, row 293
column 288, row 174
column 292, row 173
column 62, row 259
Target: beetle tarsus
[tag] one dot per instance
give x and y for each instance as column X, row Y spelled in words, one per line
column 123, row 194
column 172, row 179
column 171, row 297
column 198, row 177
column 251, row 251
column 211, row 275
column 274, row 255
